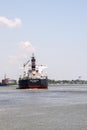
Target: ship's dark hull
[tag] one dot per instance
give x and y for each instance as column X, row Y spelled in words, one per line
column 33, row 83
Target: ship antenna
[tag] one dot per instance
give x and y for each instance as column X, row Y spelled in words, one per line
column 32, row 54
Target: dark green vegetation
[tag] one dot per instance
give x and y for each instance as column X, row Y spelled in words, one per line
column 67, row 81
column 12, row 83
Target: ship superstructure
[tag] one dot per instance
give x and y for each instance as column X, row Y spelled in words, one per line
column 34, row 76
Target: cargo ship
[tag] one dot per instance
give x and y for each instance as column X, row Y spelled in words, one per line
column 7, row 81
column 34, row 76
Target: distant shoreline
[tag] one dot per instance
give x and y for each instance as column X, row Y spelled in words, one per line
column 67, row 81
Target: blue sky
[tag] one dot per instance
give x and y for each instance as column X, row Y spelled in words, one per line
column 54, row 29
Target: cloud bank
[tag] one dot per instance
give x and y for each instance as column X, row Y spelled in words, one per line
column 10, row 23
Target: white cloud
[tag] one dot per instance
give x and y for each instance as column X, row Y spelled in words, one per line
column 10, row 23
column 23, row 53
column 27, row 47
column 15, row 61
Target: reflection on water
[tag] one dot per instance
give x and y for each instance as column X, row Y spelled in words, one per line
column 61, row 107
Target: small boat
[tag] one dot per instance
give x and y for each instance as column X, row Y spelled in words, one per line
column 34, row 76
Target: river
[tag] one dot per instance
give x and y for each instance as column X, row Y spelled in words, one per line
column 60, row 107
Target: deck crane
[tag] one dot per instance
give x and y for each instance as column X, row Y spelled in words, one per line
column 26, row 63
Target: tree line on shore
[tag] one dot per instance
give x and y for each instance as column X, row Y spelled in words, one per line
column 77, row 81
